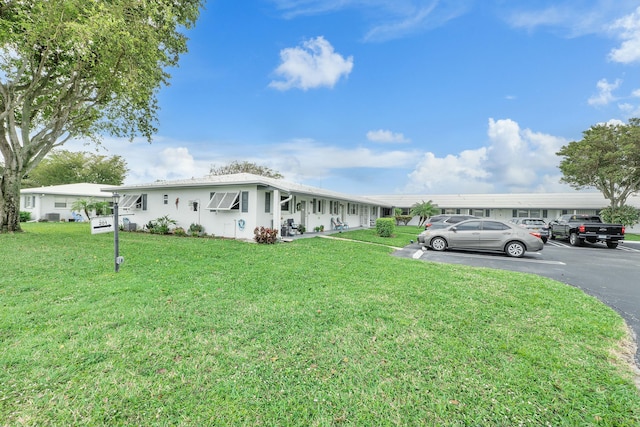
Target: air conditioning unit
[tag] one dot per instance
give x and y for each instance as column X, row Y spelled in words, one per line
column 54, row 217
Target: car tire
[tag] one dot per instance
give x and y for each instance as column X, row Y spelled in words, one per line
column 515, row 249
column 574, row 240
column 438, row 244
column 612, row 245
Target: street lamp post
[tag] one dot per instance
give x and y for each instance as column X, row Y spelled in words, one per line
column 116, row 228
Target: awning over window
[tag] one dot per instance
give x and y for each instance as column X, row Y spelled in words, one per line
column 223, row 201
column 129, row 201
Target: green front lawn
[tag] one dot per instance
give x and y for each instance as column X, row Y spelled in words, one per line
column 316, row 332
column 632, row 237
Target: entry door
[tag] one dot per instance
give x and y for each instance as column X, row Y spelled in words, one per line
column 303, row 213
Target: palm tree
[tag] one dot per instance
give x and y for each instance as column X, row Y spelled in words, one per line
column 424, row 210
column 83, row 205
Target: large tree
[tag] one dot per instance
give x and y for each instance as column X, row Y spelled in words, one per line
column 607, row 158
column 80, row 69
column 245, row 167
column 68, row 167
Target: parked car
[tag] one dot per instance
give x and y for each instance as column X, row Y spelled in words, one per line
column 445, row 220
column 580, row 228
column 536, row 225
column 483, row 235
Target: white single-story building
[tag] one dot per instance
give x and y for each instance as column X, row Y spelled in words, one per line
column 234, row 205
column 548, row 206
column 53, row 203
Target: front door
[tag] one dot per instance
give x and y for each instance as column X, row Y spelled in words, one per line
column 303, row 213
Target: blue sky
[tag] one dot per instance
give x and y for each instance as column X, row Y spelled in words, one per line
column 404, row 96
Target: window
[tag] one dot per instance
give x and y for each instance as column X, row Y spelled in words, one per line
column 495, row 226
column 352, row 208
column 470, row 225
column 333, row 207
column 60, row 203
column 165, row 199
column 222, row 201
column 244, row 197
column 314, row 206
column 322, row 205
column 29, row 202
column 267, row 202
column 284, row 206
column 478, row 212
column 134, row 201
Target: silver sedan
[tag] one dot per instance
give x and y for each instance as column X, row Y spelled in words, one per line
column 483, row 235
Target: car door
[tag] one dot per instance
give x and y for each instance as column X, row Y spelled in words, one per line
column 494, row 235
column 561, row 228
column 465, row 235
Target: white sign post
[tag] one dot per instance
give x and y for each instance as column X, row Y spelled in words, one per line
column 102, row 224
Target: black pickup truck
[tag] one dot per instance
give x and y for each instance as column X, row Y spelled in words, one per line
column 580, row 228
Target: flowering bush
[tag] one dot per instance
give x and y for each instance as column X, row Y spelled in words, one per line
column 265, row 235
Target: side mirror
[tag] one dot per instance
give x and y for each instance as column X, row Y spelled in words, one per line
column 454, row 229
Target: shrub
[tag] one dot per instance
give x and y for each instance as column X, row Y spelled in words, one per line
column 25, row 216
column 265, row 235
column 196, row 230
column 161, row 225
column 385, row 227
column 404, row 219
column 625, row 215
column 179, row 231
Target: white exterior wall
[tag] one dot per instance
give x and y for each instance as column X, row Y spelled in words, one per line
column 218, row 223
column 228, row 223
column 46, row 204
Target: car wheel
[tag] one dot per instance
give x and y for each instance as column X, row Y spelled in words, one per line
column 515, row 249
column 612, row 245
column 438, row 244
column 574, row 240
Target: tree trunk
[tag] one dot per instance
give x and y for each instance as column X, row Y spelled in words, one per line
column 10, row 201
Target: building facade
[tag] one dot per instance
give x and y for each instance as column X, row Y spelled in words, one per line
column 54, row 202
column 232, row 206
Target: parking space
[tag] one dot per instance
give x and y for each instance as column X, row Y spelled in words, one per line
column 610, row 275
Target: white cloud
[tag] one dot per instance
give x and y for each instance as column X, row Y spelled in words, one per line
column 386, row 19
column 307, row 159
column 386, row 136
column 605, row 92
column 513, row 160
column 516, row 160
column 629, row 28
column 312, row 65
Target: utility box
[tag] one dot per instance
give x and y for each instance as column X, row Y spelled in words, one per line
column 54, row 217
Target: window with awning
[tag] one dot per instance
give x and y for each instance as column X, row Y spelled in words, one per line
column 223, row 201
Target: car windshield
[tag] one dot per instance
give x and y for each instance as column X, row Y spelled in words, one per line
column 533, row 222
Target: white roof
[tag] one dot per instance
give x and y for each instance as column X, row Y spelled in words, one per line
column 251, row 179
column 576, row 200
column 82, row 189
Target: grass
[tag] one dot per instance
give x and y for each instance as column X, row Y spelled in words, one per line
column 401, row 237
column 317, row 332
column 632, row 237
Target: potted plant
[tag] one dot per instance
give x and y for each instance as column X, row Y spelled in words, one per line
column 301, row 229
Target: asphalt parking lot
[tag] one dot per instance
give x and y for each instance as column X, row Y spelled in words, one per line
column 611, row 275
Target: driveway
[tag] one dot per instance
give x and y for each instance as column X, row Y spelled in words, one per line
column 611, row 275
